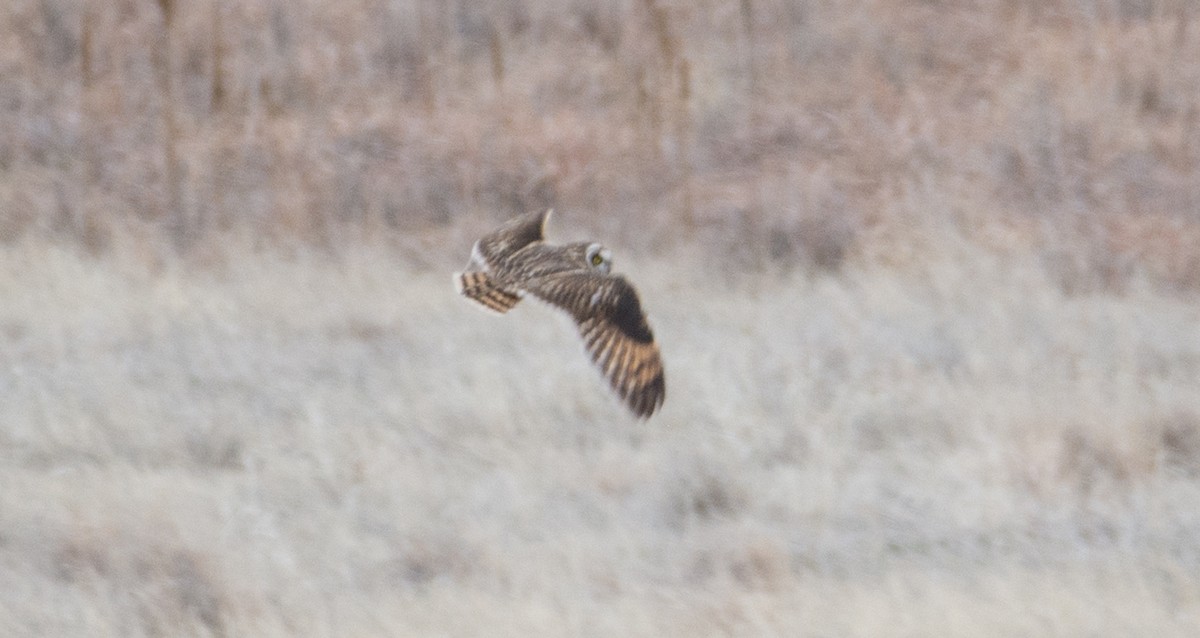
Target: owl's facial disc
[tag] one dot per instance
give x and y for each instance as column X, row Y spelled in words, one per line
column 599, row 257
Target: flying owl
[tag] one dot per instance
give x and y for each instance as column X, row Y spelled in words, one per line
column 515, row 260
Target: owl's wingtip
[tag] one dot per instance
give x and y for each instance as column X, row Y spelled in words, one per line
column 483, row 290
column 649, row 400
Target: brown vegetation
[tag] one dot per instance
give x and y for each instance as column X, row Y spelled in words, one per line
column 791, row 131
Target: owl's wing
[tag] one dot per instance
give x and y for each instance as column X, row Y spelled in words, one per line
column 514, row 235
column 614, row 328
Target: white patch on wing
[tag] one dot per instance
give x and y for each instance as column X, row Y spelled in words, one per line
column 477, row 258
column 595, row 299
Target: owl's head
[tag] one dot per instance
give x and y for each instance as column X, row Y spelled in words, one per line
column 599, row 258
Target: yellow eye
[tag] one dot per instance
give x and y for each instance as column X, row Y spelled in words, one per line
column 597, row 259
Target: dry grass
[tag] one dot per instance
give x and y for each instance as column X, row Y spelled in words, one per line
column 317, row 446
column 796, row 133
column 925, row 277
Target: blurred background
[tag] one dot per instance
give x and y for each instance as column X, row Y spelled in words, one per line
column 799, row 132
column 926, row 276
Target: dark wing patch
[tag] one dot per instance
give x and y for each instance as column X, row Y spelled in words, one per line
column 627, row 314
column 615, row 332
column 514, row 235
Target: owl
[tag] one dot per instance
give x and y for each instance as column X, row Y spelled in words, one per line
column 514, row 261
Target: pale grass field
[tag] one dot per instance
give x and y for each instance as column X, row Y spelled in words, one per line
column 926, row 277
column 317, row 445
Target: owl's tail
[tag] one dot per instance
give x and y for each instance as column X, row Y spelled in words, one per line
column 482, row 289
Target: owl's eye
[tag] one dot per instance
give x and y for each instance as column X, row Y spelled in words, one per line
column 597, row 259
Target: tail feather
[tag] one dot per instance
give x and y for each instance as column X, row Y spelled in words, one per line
column 480, row 288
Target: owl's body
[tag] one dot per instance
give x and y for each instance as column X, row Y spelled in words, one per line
column 514, row 261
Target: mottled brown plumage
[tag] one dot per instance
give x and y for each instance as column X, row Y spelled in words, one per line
column 514, row 261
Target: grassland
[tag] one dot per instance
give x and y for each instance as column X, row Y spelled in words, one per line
column 303, row 446
column 926, row 278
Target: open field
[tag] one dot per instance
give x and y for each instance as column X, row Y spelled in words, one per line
column 307, row 446
column 926, row 277
column 795, row 132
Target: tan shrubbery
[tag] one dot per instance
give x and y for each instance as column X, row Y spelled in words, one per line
column 788, row 130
